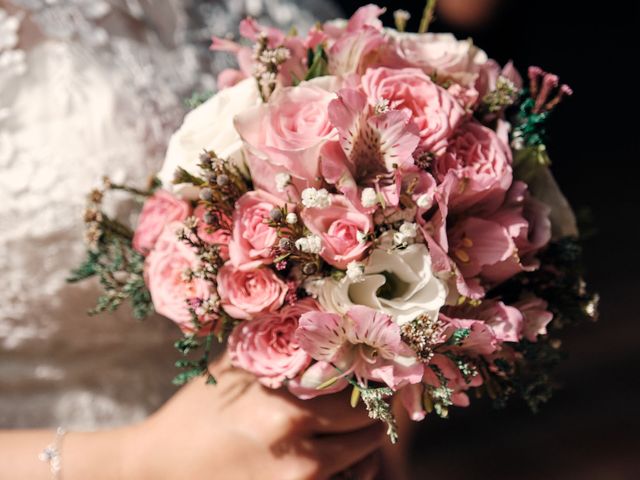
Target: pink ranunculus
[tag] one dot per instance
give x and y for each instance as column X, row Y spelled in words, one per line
column 266, row 346
column 291, row 129
column 476, row 168
column 536, row 317
column 207, row 233
column 364, row 343
column 433, row 110
column 252, row 238
column 164, row 271
column 159, row 210
column 441, row 54
column 339, row 226
column 245, row 294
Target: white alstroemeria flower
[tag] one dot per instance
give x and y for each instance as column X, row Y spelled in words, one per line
column 400, row 283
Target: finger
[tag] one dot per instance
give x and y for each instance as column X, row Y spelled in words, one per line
column 337, row 453
column 334, row 414
column 367, row 469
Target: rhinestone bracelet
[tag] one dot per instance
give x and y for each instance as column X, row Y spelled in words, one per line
column 53, row 456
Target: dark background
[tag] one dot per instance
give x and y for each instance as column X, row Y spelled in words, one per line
column 591, row 428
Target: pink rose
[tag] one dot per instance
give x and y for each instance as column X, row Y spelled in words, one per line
column 291, row 129
column 164, row 270
column 245, row 294
column 159, row 210
column 252, row 238
column 339, row 226
column 266, row 346
column 434, row 111
column 476, row 168
column 207, row 233
column 536, row 317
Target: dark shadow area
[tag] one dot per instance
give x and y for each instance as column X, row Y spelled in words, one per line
column 590, row 429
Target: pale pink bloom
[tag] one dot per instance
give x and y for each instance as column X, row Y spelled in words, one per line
column 371, row 145
column 433, row 110
column 489, row 73
column 355, row 51
column 366, row 16
column 245, row 294
column 340, row 227
column 320, row 374
column 220, row 237
column 159, row 210
column 364, row 343
column 164, row 272
column 506, row 322
column 476, row 245
column 291, row 129
column 266, row 346
column 264, row 176
column 536, row 317
column 412, row 395
column 526, row 220
column 482, row 339
column 355, row 46
column 252, row 237
column 252, row 30
column 476, row 168
column 229, row 77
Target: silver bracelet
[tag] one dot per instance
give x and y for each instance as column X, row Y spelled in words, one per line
column 53, row 456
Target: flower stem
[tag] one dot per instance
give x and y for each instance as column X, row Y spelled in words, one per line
column 427, row 16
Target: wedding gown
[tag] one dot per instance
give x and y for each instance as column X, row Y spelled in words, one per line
column 88, row 88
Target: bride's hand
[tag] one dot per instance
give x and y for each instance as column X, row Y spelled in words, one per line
column 239, row 429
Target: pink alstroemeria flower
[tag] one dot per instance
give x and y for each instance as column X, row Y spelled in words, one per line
column 373, row 143
column 364, row 343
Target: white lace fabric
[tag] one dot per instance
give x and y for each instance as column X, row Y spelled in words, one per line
column 99, row 94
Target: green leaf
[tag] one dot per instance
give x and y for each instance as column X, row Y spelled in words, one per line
column 318, row 63
column 185, row 377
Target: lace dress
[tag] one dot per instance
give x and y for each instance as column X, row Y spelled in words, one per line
column 88, row 88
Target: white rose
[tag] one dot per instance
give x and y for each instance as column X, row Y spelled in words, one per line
column 400, row 283
column 441, row 53
column 209, row 127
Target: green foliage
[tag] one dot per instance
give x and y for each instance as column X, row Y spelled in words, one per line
column 531, row 126
column 458, row 337
column 197, row 98
column 196, row 352
column 318, row 63
column 379, row 409
column 560, row 282
column 119, row 269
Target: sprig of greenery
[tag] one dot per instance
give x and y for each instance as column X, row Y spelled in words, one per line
column 117, row 265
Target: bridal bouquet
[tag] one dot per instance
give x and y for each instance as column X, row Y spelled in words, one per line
column 358, row 208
